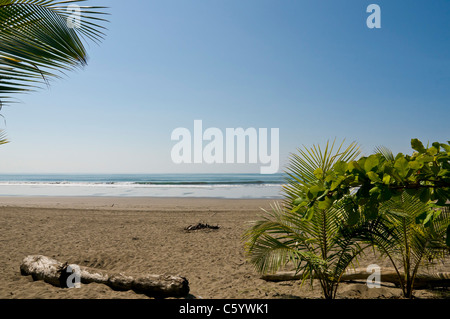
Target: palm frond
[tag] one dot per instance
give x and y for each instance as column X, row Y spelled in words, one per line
column 37, row 43
column 317, row 247
column 407, row 242
column 3, row 139
column 387, row 153
column 302, row 165
column 271, row 242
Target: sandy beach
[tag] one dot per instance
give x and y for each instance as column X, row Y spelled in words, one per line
column 147, row 236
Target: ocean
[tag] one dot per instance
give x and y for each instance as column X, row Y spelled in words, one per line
column 144, row 185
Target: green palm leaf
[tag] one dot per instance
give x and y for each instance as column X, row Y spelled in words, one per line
column 37, row 43
column 314, row 244
column 406, row 241
column 3, row 139
column 303, row 164
column 387, row 153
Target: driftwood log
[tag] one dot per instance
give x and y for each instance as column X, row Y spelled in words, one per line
column 200, row 226
column 422, row 281
column 56, row 273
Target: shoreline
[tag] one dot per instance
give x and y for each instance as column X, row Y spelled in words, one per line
column 132, row 203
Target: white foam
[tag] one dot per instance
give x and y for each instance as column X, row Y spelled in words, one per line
column 128, row 189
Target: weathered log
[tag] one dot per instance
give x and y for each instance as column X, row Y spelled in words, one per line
column 200, row 226
column 422, row 281
column 56, row 273
column 42, row 268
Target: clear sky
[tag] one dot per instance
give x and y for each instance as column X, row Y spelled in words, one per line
column 313, row 69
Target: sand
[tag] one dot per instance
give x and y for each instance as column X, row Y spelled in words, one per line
column 146, row 235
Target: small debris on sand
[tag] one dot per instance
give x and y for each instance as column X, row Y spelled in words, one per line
column 200, row 226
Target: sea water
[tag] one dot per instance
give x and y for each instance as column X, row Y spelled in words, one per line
column 144, row 185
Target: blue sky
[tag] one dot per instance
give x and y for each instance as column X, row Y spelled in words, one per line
column 313, row 69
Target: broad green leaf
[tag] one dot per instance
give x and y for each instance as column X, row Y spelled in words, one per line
column 425, row 158
column 399, row 155
column 445, row 147
column 330, row 177
column 336, row 182
column 437, row 146
column 443, row 172
column 325, row 204
column 353, row 167
column 427, row 217
column 309, row 213
column 417, row 145
column 371, row 162
column 340, row 167
column 415, row 165
column 432, row 151
column 374, row 177
column 374, row 190
column 443, row 159
column 420, row 219
column 295, row 209
column 316, row 190
column 401, row 165
column 318, row 173
column 435, row 169
column 301, row 205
